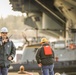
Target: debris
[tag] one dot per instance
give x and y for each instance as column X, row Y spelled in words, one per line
column 22, row 71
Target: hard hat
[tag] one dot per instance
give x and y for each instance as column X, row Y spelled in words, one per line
column 4, row 29
column 57, row 73
column 44, row 40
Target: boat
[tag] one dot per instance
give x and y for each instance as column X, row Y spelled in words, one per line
column 65, row 58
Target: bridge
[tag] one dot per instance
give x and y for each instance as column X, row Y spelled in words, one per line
column 51, row 17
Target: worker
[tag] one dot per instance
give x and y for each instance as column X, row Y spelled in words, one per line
column 7, row 51
column 45, row 57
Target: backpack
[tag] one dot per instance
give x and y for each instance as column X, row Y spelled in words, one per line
column 47, row 50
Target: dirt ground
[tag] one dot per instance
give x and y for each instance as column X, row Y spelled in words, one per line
column 16, row 73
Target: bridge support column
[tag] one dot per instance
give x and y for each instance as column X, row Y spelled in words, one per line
column 71, row 31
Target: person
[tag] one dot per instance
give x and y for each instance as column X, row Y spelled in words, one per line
column 45, row 57
column 7, row 51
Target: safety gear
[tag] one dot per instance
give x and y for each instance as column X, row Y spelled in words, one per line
column 44, row 40
column 57, row 73
column 47, row 50
column 4, row 29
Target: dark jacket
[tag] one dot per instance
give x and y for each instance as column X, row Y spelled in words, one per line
column 42, row 58
column 6, row 49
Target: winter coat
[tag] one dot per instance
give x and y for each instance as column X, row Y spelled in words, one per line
column 42, row 58
column 6, row 49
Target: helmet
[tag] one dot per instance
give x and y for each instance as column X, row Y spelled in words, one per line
column 57, row 73
column 44, row 40
column 4, row 29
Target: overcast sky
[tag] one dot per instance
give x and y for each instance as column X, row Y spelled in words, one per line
column 6, row 9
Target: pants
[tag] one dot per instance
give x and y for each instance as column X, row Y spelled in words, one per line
column 48, row 70
column 3, row 71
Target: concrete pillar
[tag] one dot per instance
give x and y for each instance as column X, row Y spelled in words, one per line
column 48, row 22
column 74, row 34
column 70, row 31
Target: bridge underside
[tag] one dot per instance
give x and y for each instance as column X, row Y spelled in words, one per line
column 41, row 15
